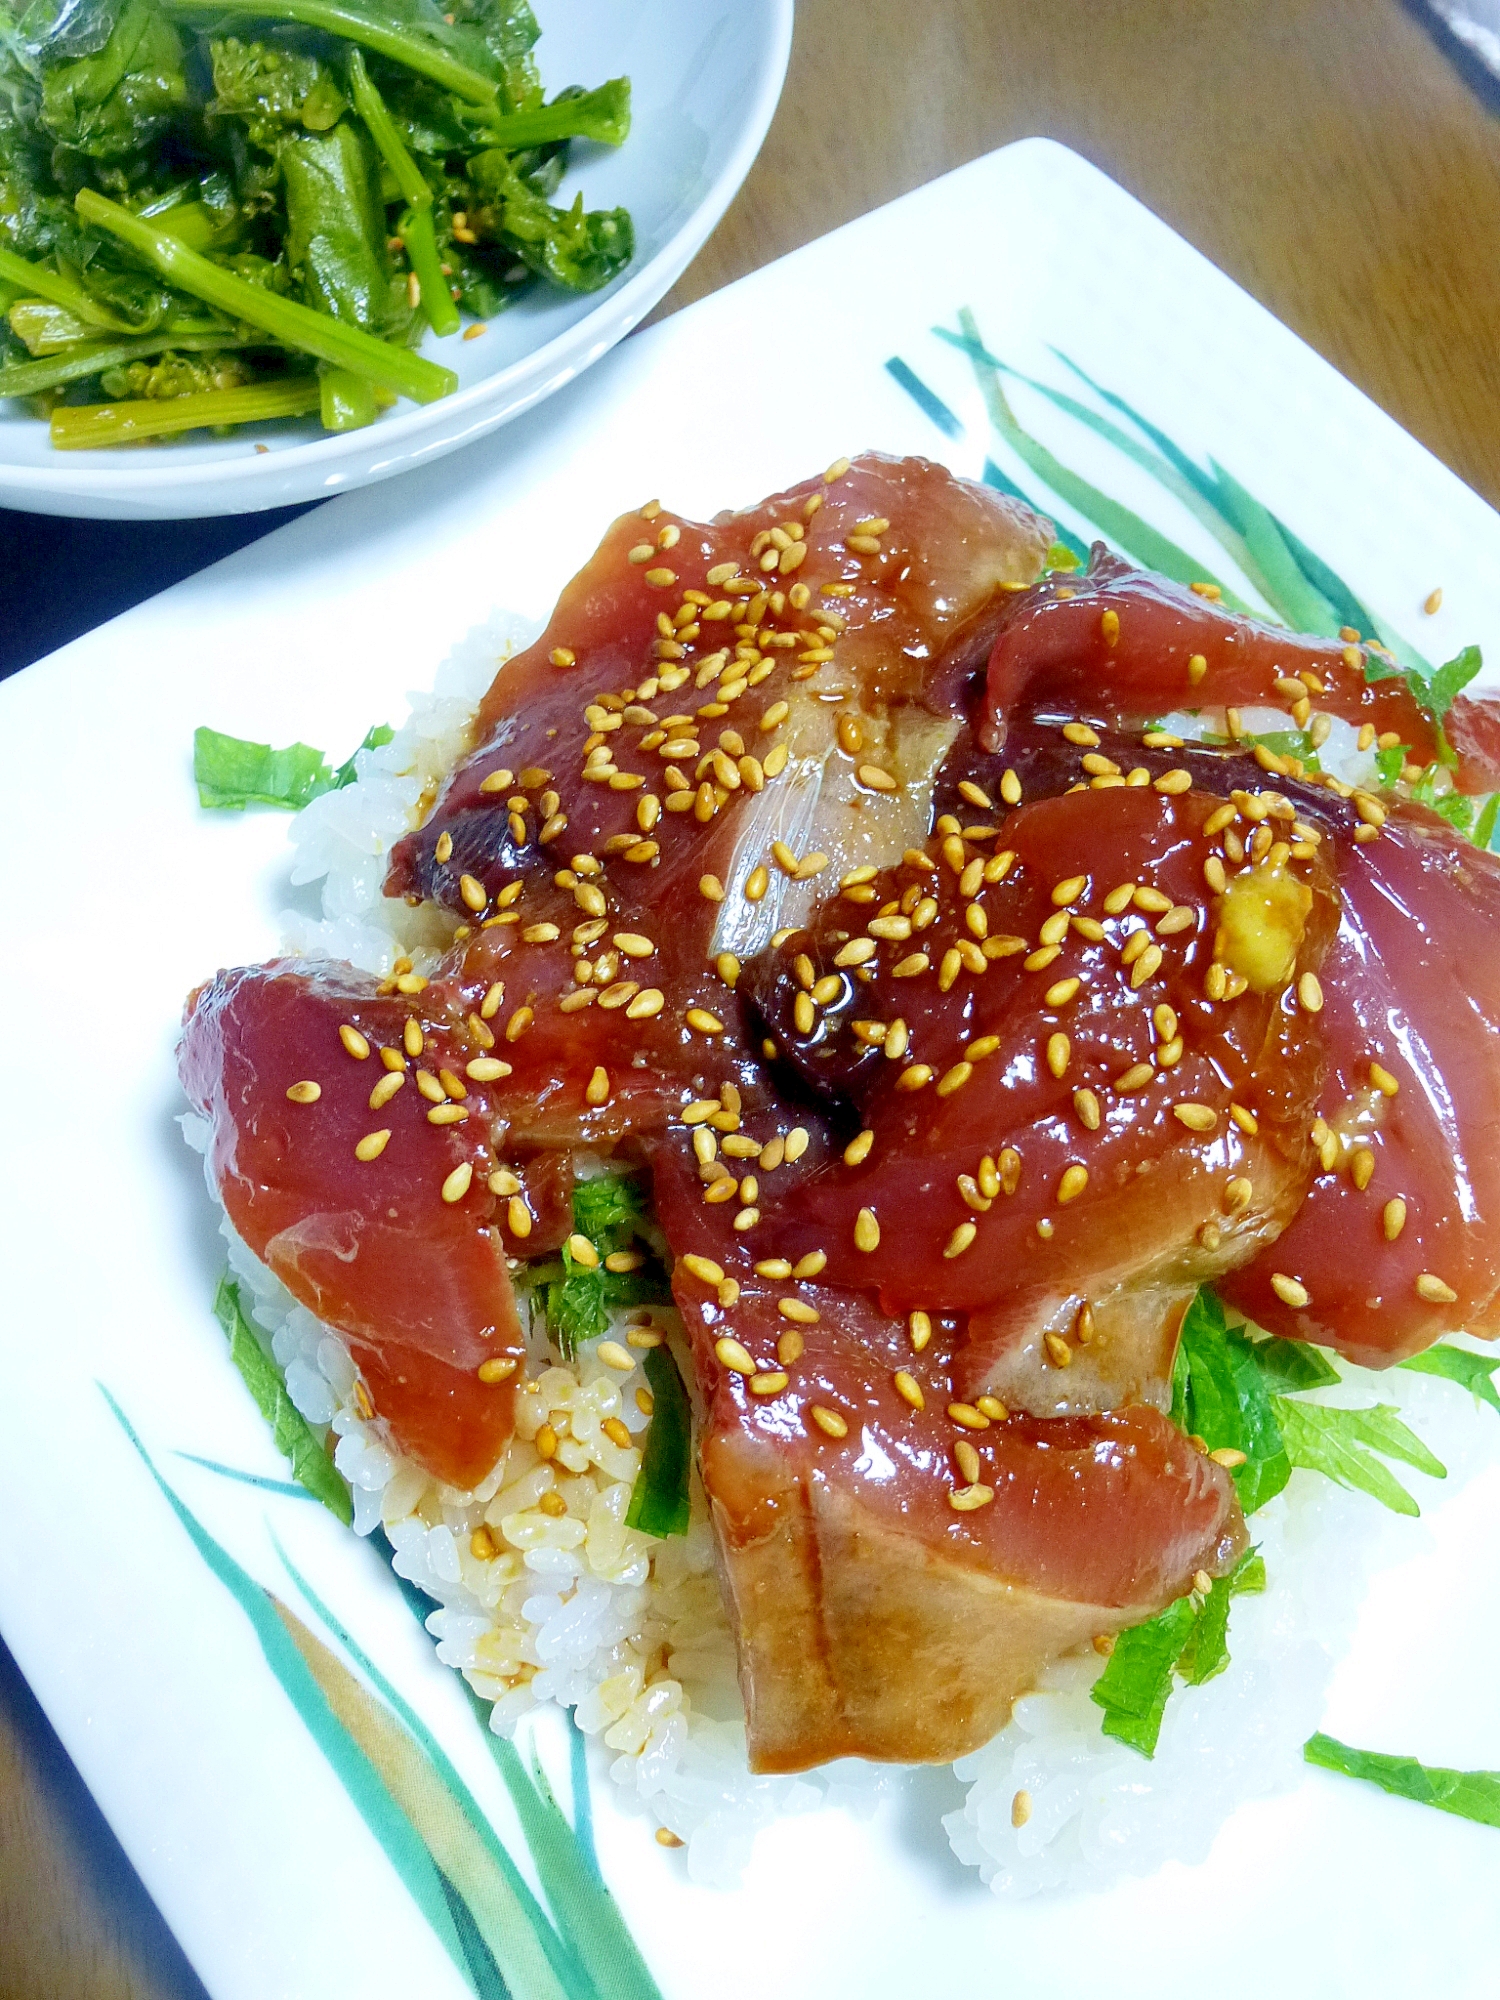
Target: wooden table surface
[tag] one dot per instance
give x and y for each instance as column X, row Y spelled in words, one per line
column 1328, row 154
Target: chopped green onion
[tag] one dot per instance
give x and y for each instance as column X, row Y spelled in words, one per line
column 90, row 426
column 296, row 325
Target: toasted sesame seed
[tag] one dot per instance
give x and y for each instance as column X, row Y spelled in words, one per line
column 960, row 1240
column 1383, row 1081
column 309, row 1092
column 1289, row 1291
column 1086, row 1104
column 968, row 1499
column 858, row 1149
column 354, row 1042
column 909, row 1389
column 703, row 1268
column 1059, row 1049
column 1010, row 788
column 1393, row 1218
column 457, row 1185
column 1073, row 1182
column 756, row 884
column 447, row 1114
column 498, row 1368
column 1362, row 1167
column 1058, row 1351
column 954, row 1079
column 866, row 1231
column 828, row 1421
column 1196, row 1117
column 1064, row 990
column 733, row 1356
column 372, row 1145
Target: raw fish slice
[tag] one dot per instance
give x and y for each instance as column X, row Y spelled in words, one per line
column 1118, row 645
column 694, row 720
column 1052, row 1128
column 873, row 1616
column 416, row 1283
column 1411, row 988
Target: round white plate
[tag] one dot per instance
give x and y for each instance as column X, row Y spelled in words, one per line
column 705, row 77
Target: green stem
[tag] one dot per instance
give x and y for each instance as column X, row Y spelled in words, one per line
column 348, row 401
column 36, row 281
column 298, row 326
column 602, row 115
column 411, row 51
column 96, row 424
column 415, row 231
column 30, row 378
column 371, row 107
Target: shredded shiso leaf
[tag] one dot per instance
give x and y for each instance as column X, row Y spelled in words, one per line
column 1460, row 1364
column 1190, row 1638
column 232, row 773
column 1233, row 1392
column 295, row 1439
column 1467, row 1794
column 580, row 1299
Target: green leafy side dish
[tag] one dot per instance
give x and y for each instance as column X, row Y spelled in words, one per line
column 217, row 212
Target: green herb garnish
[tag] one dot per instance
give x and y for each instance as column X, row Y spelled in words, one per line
column 581, row 1299
column 1341, row 1445
column 1219, row 1393
column 660, row 1501
column 231, row 773
column 295, row 1439
column 1189, row 1638
column 1467, row 1794
column 1460, row 1364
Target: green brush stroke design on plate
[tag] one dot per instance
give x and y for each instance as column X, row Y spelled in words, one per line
column 414, row 1801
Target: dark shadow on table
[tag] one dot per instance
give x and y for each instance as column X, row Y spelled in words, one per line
column 60, row 578
column 122, row 1910
column 1480, row 78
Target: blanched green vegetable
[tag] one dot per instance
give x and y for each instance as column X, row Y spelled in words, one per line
column 335, row 242
column 329, row 177
column 298, row 326
column 115, row 103
column 1189, row 1639
column 93, row 425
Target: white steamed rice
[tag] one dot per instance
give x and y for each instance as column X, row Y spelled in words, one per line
column 630, row 1632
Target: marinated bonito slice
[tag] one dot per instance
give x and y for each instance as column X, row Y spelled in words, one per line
column 707, row 696
column 1396, row 1241
column 898, row 1567
column 1067, row 1085
column 1118, row 646
column 347, row 1153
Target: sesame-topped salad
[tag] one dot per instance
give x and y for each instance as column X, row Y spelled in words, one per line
column 217, row 212
column 881, row 1089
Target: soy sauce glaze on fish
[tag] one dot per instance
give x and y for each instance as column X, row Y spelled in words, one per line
column 827, row 863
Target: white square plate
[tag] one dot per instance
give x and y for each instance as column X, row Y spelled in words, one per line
column 125, row 896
